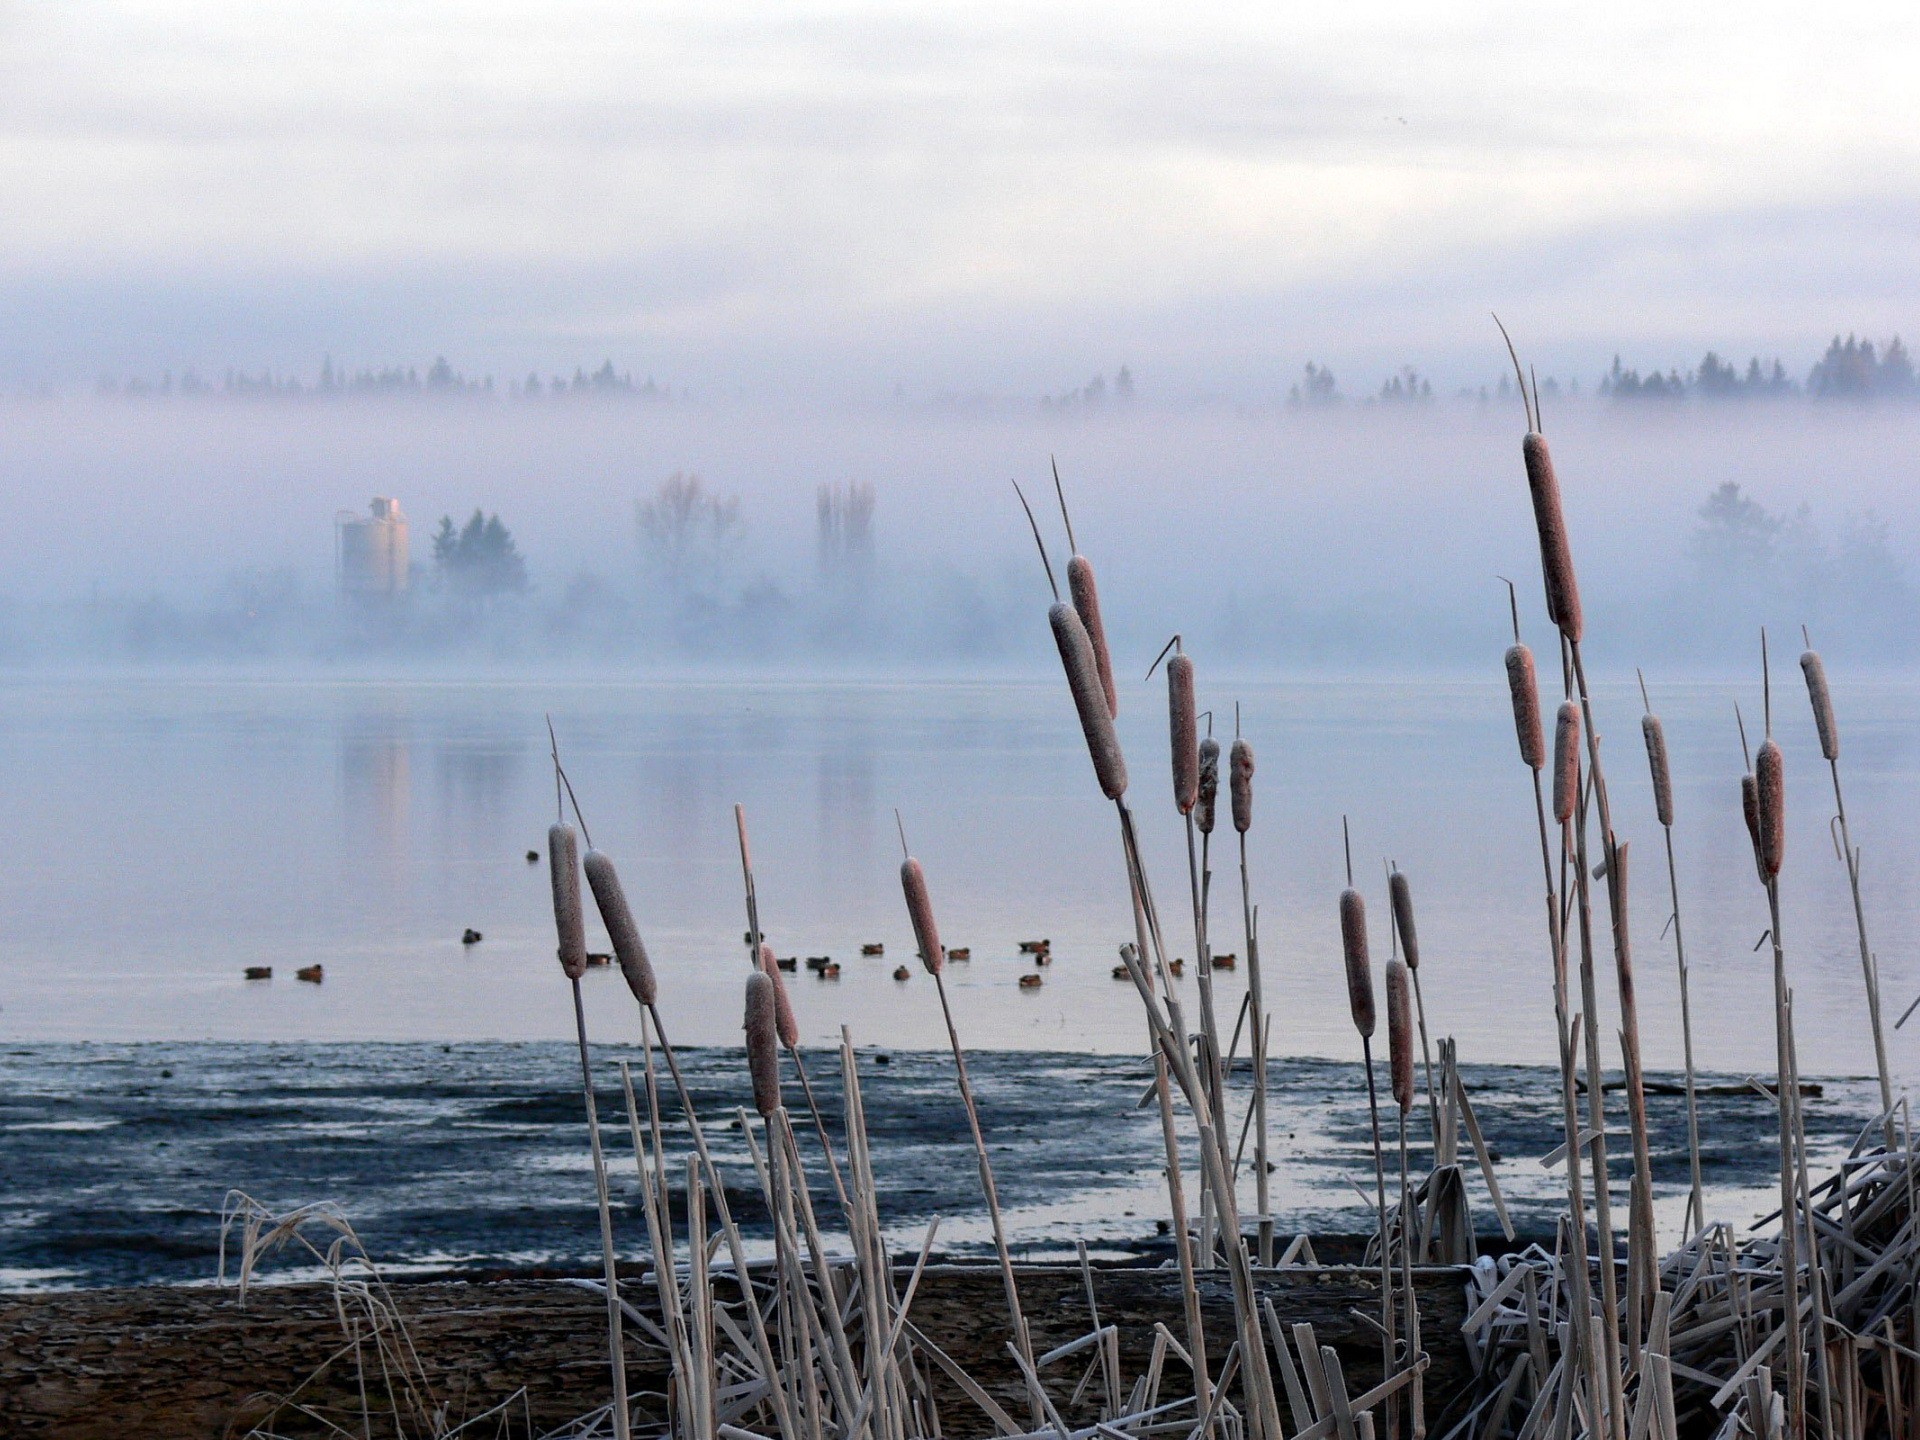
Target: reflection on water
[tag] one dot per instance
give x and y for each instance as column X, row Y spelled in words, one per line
column 163, row 835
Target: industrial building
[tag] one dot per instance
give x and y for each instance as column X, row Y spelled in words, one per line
column 370, row 551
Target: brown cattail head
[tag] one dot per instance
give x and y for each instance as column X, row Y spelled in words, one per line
column 1816, row 673
column 1526, row 706
column 1401, row 896
column 1556, row 555
column 1183, row 726
column 784, row 1023
column 1656, row 738
column 1770, row 777
column 1353, row 942
column 1750, row 809
column 621, row 931
column 1566, row 761
column 1086, row 601
column 1209, row 784
column 1400, row 1034
column 1240, row 783
column 1089, row 699
column 763, row 1052
column 913, row 880
column 563, row 865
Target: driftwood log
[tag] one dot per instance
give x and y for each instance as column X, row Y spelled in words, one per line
column 192, row 1364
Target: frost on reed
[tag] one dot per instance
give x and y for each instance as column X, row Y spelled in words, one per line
column 926, row 933
column 786, row 1025
column 1089, row 699
column 1208, row 790
column 1085, row 593
column 1566, row 761
column 1359, row 969
column 563, row 866
column 1240, row 783
column 1400, row 1033
column 763, row 1044
column 1556, row 555
column 622, row 933
column 1183, row 728
column 1525, row 690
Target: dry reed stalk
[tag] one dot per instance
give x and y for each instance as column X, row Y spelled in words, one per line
column 1182, row 1241
column 1400, row 901
column 761, row 958
column 1241, row 761
column 1400, row 1066
column 1815, row 671
column 570, row 924
column 913, row 883
column 1610, row 1330
column 1359, row 972
column 1656, row 739
column 1643, row 1248
column 1768, row 823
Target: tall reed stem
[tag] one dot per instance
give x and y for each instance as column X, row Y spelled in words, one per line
column 622, row 1419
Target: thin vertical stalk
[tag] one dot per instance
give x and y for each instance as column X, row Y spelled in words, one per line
column 1389, row 1339
column 1256, row 1012
column 1696, row 1200
column 1789, row 1204
column 1182, row 1242
column 1869, row 966
column 622, row 1419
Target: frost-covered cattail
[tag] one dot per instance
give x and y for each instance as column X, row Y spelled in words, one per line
column 1770, row 787
column 563, row 865
column 1089, row 699
column 1656, row 738
column 1353, row 944
column 1401, row 896
column 628, row 948
column 1556, row 555
column 1209, row 784
column 913, row 880
column 1750, row 809
column 763, row 1053
column 1526, row 706
column 1183, row 728
column 1086, row 602
column 1566, row 761
column 1400, row 1034
column 784, row 1023
column 1816, row 673
column 1240, row 783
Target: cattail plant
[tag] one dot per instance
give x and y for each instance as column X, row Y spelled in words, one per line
column 763, row 1045
column 1566, row 761
column 1400, row 1068
column 622, row 933
column 785, row 1024
column 1164, row 1015
column 569, row 923
column 1209, row 786
column 1359, row 970
column 913, row 884
column 1524, row 687
column 1400, row 901
column 760, row 956
column 1657, row 763
column 1815, row 671
column 1086, row 604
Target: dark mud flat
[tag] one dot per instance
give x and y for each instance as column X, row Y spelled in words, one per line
column 175, row 1363
column 473, row 1158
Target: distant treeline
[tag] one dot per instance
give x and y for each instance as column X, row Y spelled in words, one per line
column 1852, row 369
column 439, row 378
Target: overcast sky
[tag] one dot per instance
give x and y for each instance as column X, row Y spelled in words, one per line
column 969, row 198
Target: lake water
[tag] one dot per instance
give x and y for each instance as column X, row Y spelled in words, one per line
column 164, row 833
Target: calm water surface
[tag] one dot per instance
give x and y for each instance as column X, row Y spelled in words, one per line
column 165, row 833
